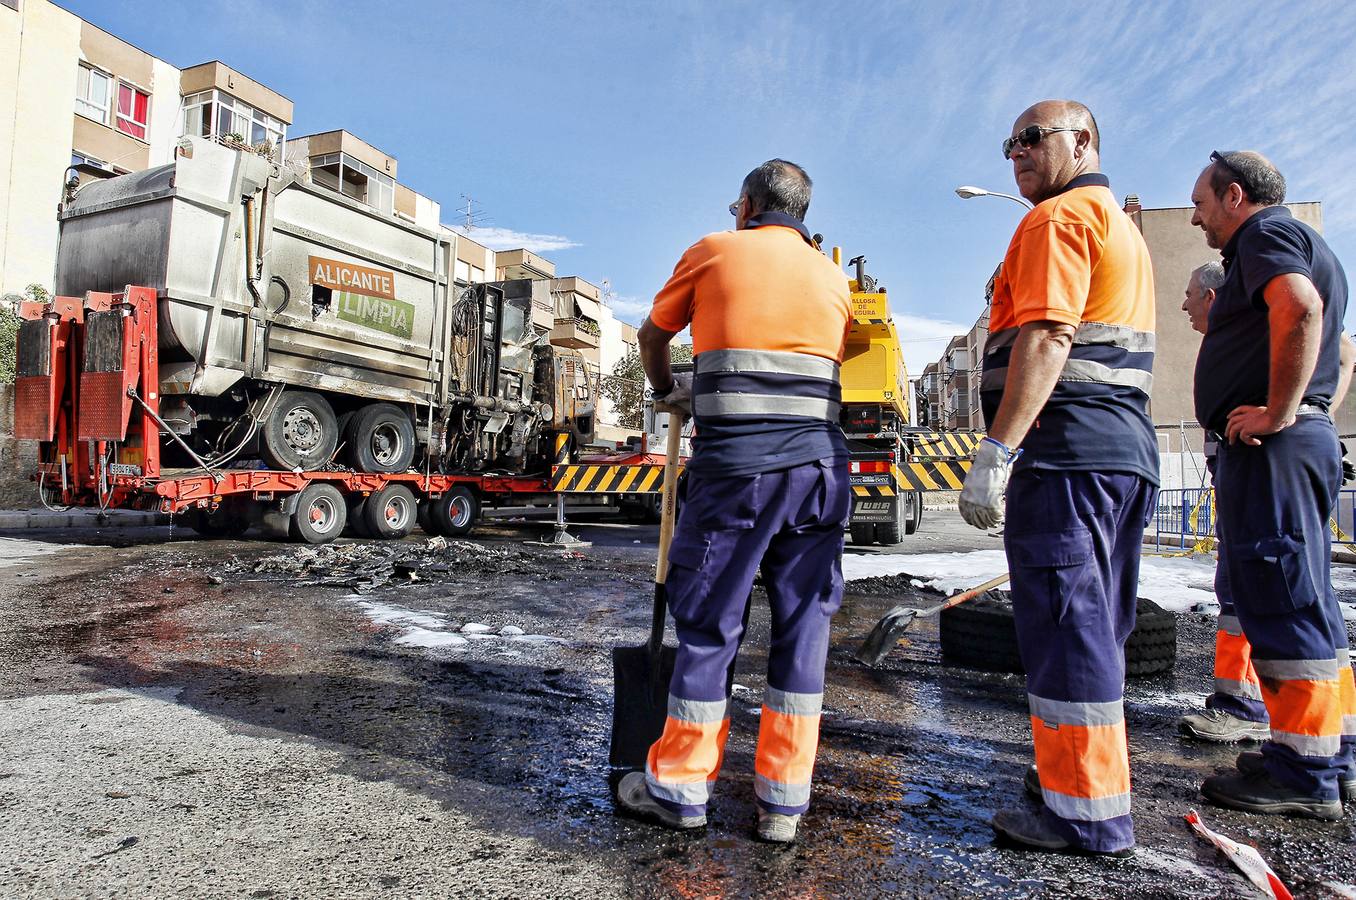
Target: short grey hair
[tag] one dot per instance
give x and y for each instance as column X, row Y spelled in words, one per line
column 778, row 186
column 1262, row 182
column 1209, row 276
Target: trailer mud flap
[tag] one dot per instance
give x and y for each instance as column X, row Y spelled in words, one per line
column 110, row 368
column 39, row 377
column 874, row 509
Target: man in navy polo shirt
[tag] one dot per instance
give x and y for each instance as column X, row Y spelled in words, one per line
column 1265, row 378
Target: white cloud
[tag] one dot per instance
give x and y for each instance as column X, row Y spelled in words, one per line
column 508, row 239
column 629, row 309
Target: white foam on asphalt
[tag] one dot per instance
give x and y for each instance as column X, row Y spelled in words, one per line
column 16, row 551
column 1176, row 583
column 429, row 630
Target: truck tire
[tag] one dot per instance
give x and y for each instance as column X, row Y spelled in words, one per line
column 300, row 433
column 892, row 533
column 380, row 439
column 391, row 513
column 981, row 635
column 456, row 512
column 915, row 516
column 356, row 526
column 320, row 514
column 863, row 534
column 425, row 518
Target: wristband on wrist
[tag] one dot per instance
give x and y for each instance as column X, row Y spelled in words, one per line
column 1008, row 451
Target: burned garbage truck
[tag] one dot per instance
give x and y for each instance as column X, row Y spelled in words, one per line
column 220, row 314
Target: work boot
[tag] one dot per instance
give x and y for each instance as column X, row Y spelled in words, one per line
column 1258, row 792
column 1222, row 728
column 1250, row 761
column 775, row 828
column 1030, row 831
column 1032, row 782
column 636, row 800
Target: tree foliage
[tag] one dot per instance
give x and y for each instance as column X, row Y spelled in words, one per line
column 9, row 327
column 625, row 387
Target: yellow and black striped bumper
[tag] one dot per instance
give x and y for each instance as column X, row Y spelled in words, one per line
column 604, row 479
column 946, row 444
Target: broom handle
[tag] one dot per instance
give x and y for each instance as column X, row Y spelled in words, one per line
column 667, row 515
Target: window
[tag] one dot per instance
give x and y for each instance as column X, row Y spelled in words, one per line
column 133, row 110
column 341, row 172
column 80, row 159
column 92, row 89
column 213, row 114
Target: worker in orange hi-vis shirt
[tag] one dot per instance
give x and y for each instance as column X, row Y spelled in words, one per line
column 1065, row 388
column 767, row 486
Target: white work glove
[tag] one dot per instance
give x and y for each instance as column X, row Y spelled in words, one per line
column 981, row 500
column 679, row 397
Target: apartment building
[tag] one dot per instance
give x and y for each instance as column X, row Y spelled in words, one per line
column 950, row 386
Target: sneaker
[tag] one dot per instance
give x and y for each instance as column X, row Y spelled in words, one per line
column 1250, row 761
column 1032, row 782
column 1222, row 727
column 775, row 828
column 1032, row 832
column 633, row 797
column 1257, row 792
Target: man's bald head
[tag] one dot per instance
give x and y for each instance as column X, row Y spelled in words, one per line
column 1064, row 114
column 1053, row 142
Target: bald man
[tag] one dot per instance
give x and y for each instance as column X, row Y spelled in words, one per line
column 1065, row 391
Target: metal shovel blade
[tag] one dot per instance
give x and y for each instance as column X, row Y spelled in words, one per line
column 885, row 635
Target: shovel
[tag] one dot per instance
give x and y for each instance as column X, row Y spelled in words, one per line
column 641, row 675
column 885, row 635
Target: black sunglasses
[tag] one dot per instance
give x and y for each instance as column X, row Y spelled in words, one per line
column 1029, row 136
column 1216, row 156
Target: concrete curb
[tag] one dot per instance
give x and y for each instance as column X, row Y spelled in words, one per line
column 78, row 518
column 1172, row 540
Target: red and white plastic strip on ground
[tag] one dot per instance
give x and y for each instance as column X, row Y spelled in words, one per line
column 1246, row 859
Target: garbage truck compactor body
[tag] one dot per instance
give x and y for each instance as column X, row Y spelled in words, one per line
column 220, row 312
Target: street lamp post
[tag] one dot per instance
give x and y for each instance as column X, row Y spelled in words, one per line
column 966, row 192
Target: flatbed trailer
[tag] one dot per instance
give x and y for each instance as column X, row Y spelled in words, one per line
column 87, row 389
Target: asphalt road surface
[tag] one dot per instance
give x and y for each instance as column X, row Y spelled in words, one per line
column 244, row 718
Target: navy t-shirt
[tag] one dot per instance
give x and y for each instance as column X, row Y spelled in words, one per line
column 1234, row 365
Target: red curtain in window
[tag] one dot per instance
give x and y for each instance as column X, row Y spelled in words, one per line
column 132, row 109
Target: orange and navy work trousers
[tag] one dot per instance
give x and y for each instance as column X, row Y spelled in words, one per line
column 791, row 521
column 1273, row 505
column 1238, row 691
column 1073, row 542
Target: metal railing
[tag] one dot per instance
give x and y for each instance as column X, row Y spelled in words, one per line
column 1182, row 518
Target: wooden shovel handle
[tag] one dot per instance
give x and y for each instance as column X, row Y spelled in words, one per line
column 668, row 509
column 970, row 594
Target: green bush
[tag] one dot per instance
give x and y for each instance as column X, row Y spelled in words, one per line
column 9, row 327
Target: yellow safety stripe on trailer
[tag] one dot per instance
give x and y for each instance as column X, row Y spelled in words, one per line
column 932, row 475
column 603, row 479
column 873, row 490
column 946, row 444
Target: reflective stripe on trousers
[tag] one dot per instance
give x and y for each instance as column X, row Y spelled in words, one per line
column 684, row 762
column 788, row 737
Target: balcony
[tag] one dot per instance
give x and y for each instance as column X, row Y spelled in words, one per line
column 523, row 264
column 575, row 334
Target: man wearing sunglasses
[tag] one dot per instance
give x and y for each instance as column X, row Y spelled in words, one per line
column 767, row 486
column 1268, row 373
column 1065, row 391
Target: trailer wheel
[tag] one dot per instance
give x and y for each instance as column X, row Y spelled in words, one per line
column 981, row 634
column 862, row 533
column 891, row 533
column 391, row 513
column 356, row 526
column 425, row 518
column 457, row 511
column 320, row 515
column 301, row 433
column 380, row 439
column 915, row 516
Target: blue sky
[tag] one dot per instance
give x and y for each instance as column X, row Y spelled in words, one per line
column 613, row 135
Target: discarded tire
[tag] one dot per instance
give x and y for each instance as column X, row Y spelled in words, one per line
column 980, row 634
